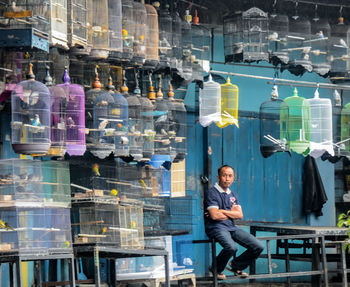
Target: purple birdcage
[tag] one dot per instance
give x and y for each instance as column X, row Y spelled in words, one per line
column 58, row 131
column 30, row 104
column 75, row 121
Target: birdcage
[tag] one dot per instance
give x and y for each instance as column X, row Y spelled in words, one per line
column 186, row 34
column 78, row 15
column 165, row 37
column 161, row 124
column 58, row 132
column 246, row 36
column 34, row 202
column 115, row 30
column 120, row 225
column 176, row 43
column 197, row 48
column 209, row 103
column 295, row 125
column 134, row 122
column 75, row 122
column 321, row 133
column 98, row 29
column 321, row 32
column 229, row 105
column 270, row 137
column 127, row 24
column 119, row 118
column 30, row 105
column 344, row 143
column 48, row 19
column 139, row 31
column 92, row 132
column 172, row 122
column 178, row 127
column 152, row 38
column 278, row 31
column 299, row 46
column 339, row 49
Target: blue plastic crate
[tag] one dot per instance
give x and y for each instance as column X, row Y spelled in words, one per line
column 24, row 38
column 183, row 254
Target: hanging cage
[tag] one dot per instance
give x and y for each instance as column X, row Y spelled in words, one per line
column 270, row 133
column 175, row 62
column 229, row 104
column 186, row 34
column 278, row 31
column 75, row 122
column 165, row 36
column 127, row 24
column 115, row 30
column 152, row 38
column 319, row 54
column 139, row 32
column 30, row 107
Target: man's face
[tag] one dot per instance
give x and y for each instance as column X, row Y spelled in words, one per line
column 226, row 177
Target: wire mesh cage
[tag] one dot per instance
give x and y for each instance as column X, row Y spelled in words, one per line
column 35, row 230
column 339, row 49
column 78, row 16
column 58, row 131
column 152, row 38
column 115, row 30
column 127, row 24
column 135, row 125
column 295, row 126
column 245, row 36
column 320, row 36
column 75, row 122
column 270, row 133
column 344, row 146
column 278, row 31
column 176, row 43
column 30, row 108
column 165, row 36
column 92, row 137
column 299, row 46
column 186, row 34
column 34, row 206
column 97, row 29
column 139, row 31
column 48, row 18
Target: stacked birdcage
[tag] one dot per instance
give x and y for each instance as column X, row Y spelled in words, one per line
column 34, row 206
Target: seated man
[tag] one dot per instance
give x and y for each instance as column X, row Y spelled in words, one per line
column 221, row 208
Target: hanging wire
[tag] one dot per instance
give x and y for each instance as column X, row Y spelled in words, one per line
column 285, row 82
column 319, row 3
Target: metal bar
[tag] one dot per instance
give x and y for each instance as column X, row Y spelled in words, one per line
column 71, row 271
column 311, row 2
column 285, row 82
column 18, row 272
column 289, row 281
column 166, row 263
column 315, row 263
column 213, row 256
column 343, row 265
column 324, row 262
column 269, row 256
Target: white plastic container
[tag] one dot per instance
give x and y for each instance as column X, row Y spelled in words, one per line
column 209, row 103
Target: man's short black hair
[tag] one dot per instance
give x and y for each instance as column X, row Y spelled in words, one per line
column 224, row 166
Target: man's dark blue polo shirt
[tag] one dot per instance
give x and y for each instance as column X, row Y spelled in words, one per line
column 218, row 198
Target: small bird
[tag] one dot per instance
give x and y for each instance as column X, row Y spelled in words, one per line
column 70, row 122
column 273, row 36
column 114, row 192
column 95, row 169
column 66, row 244
column 320, row 35
column 5, row 225
column 103, row 124
column 36, row 121
column 143, row 184
column 104, row 230
column 343, row 43
column 133, row 224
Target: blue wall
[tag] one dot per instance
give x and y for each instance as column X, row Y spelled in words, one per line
column 270, row 190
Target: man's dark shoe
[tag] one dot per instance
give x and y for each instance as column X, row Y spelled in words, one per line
column 220, row 276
